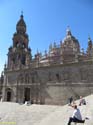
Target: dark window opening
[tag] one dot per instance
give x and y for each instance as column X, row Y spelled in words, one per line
column 13, row 60
column 23, row 59
column 57, row 77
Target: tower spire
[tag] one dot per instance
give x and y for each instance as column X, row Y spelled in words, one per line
column 21, row 15
column 68, row 31
column 21, row 12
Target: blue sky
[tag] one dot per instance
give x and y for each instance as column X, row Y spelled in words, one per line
column 46, row 22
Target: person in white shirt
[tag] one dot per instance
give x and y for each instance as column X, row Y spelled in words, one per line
column 76, row 117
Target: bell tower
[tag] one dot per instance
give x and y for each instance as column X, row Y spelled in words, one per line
column 19, row 54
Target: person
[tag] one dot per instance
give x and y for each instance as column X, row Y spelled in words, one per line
column 76, row 117
column 82, row 101
column 70, row 100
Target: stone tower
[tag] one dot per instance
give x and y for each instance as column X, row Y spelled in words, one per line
column 19, row 59
column 19, row 54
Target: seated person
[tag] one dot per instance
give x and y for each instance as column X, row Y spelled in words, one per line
column 82, row 101
column 76, row 117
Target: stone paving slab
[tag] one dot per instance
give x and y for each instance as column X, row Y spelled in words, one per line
column 13, row 113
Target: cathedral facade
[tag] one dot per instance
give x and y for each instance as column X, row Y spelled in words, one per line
column 49, row 78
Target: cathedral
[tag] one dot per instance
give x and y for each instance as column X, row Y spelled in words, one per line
column 50, row 78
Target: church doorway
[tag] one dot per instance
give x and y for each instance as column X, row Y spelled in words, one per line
column 27, row 94
column 9, row 95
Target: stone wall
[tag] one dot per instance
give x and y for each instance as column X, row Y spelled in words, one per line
column 59, row 94
column 50, row 85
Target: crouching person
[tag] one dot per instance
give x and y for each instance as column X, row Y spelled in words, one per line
column 76, row 117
